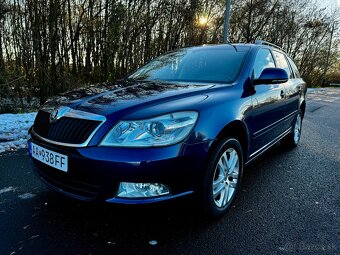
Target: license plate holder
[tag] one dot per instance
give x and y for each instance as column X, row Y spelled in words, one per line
column 48, row 157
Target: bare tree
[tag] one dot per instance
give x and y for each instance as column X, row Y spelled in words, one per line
column 49, row 46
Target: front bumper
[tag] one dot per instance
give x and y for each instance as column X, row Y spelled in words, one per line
column 95, row 172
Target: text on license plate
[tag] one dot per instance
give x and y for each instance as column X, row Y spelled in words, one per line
column 51, row 158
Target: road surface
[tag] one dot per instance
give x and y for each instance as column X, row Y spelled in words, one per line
column 289, row 203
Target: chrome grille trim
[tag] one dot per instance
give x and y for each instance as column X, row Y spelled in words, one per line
column 76, row 114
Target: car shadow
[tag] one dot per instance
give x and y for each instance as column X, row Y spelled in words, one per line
column 102, row 227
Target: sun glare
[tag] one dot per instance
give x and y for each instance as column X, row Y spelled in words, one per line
column 202, row 21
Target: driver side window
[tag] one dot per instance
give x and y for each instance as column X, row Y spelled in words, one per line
column 264, row 59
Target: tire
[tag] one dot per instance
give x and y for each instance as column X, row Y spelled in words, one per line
column 292, row 140
column 222, row 178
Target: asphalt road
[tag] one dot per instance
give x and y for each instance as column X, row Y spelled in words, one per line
column 289, row 203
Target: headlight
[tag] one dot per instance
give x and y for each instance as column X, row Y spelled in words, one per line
column 159, row 131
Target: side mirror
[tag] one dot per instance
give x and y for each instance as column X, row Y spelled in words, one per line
column 271, row 76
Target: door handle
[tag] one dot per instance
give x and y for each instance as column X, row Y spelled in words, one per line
column 283, row 93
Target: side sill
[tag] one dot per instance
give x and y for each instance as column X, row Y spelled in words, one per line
column 262, row 150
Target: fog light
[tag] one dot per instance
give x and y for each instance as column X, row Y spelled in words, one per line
column 142, row 190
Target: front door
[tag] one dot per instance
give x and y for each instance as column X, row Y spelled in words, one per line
column 268, row 106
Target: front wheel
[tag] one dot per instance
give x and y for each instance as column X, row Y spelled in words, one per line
column 223, row 177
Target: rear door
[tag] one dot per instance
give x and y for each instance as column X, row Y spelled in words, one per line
column 268, row 106
column 293, row 89
column 294, row 93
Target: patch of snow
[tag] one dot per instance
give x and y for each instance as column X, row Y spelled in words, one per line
column 153, row 242
column 26, row 196
column 13, row 130
column 7, row 189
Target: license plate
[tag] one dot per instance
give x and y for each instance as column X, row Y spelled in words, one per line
column 48, row 157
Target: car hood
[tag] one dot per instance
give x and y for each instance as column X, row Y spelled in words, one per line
column 109, row 98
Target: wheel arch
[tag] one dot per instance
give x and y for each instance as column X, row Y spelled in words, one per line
column 238, row 130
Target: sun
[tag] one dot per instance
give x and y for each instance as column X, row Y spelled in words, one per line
column 203, row 21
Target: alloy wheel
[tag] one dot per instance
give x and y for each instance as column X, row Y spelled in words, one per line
column 297, row 129
column 226, row 178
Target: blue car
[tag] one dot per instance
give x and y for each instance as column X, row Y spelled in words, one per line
column 186, row 123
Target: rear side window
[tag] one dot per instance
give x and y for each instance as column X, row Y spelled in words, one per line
column 264, row 59
column 281, row 62
column 295, row 69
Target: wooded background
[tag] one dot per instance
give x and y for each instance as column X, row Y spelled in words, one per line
column 49, row 46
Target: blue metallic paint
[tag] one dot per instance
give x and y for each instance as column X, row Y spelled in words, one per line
column 261, row 110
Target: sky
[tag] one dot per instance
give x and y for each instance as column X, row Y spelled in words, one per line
column 332, row 4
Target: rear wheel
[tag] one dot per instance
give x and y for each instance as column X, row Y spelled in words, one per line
column 292, row 140
column 223, row 177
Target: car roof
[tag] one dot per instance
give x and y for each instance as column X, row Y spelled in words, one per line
column 239, row 46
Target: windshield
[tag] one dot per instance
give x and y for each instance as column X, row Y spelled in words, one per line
column 215, row 65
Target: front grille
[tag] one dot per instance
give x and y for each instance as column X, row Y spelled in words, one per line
column 65, row 130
